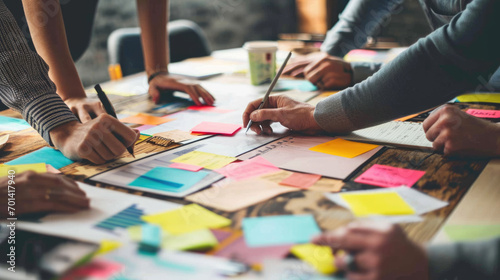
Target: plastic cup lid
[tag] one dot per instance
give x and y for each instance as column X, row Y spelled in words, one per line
column 261, row 46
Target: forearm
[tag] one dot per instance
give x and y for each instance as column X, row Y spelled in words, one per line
column 153, row 18
column 49, row 38
column 437, row 68
column 24, row 83
column 478, row 260
column 360, row 19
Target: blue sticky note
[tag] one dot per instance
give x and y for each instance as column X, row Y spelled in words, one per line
column 46, row 155
column 279, row 230
column 12, row 124
column 302, row 85
column 168, row 179
column 150, row 237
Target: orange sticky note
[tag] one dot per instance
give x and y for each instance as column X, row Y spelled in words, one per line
column 145, row 119
column 301, row 180
column 216, row 128
column 343, row 148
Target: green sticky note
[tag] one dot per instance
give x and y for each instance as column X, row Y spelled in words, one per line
column 169, row 179
column 471, row 232
column 279, row 230
column 46, row 155
column 196, row 240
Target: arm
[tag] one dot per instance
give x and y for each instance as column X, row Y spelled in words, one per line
column 153, row 18
column 437, row 68
column 49, row 38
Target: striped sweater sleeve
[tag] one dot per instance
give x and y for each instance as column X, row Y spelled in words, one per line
column 24, row 82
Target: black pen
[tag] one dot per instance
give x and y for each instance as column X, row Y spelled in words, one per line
column 111, row 111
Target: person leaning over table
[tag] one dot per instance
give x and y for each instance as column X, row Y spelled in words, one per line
column 375, row 250
column 48, row 27
column 360, row 19
column 26, row 87
column 449, row 61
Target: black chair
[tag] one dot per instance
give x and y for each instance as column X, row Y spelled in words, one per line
column 186, row 40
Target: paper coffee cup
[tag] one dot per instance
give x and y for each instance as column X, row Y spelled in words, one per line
column 262, row 61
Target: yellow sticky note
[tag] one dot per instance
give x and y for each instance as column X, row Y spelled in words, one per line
column 142, row 137
column 108, row 246
column 480, row 97
column 196, row 240
column 186, row 219
column 320, row 257
column 343, row 148
column 206, row 160
column 135, row 233
column 389, row 203
column 37, row 167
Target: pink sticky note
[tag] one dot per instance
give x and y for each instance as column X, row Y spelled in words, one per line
column 389, row 177
column 488, row 114
column 300, row 180
column 51, row 169
column 216, row 128
column 144, row 127
column 185, row 166
column 212, row 109
column 97, row 269
column 247, row 169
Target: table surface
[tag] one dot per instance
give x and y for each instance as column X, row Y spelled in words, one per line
column 446, row 179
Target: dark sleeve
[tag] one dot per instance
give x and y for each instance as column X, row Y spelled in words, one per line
column 360, row 19
column 454, row 59
column 24, row 82
column 477, row 260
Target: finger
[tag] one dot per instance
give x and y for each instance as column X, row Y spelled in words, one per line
column 431, row 120
column 316, row 75
column 116, row 147
column 193, row 93
column 251, row 107
column 154, row 92
column 433, row 132
column 63, row 196
column 266, row 127
column 439, row 144
column 126, row 135
column 101, row 149
column 299, row 73
column 98, row 109
column 94, row 157
column 207, row 97
column 84, row 115
column 313, row 65
column 343, row 239
column 261, row 115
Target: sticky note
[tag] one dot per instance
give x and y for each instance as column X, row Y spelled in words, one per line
column 46, row 155
column 37, row 167
column 108, row 246
column 96, row 269
column 216, row 128
column 142, row 137
column 144, row 127
column 343, row 148
column 279, row 230
column 186, row 219
column 471, row 232
column 247, row 169
column 151, row 238
column 202, row 239
column 480, row 97
column 487, row 114
column 206, row 160
column 389, row 203
column 168, row 179
column 320, row 257
column 145, row 119
column 389, row 177
column 211, row 109
column 302, row 85
column 184, row 166
column 12, row 124
column 301, row 180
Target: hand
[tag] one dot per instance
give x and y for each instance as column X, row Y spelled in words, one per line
column 380, row 251
column 290, row 113
column 169, row 82
column 329, row 72
column 454, row 132
column 43, row 193
column 99, row 140
column 84, row 108
column 296, row 67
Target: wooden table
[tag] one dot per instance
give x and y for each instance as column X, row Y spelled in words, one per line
column 445, row 179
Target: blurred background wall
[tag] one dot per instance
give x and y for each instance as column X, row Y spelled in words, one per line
column 229, row 23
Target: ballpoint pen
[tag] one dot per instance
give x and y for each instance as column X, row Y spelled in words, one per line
column 111, row 111
column 271, row 87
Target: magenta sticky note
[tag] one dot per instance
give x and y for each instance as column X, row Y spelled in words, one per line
column 487, row 114
column 389, row 177
column 96, row 269
column 185, row 166
column 240, row 251
column 247, row 169
column 211, row 109
column 216, row 128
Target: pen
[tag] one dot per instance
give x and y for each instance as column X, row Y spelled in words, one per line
column 271, row 87
column 111, row 111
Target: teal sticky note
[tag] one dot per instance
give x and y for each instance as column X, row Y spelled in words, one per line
column 302, row 85
column 279, row 230
column 46, row 155
column 12, row 124
column 151, row 237
column 168, row 179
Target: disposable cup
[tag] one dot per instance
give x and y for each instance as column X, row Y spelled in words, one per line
column 262, row 61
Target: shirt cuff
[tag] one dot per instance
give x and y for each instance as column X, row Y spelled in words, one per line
column 362, row 70
column 330, row 115
column 45, row 112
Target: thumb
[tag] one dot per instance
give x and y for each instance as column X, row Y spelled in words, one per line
column 261, row 115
